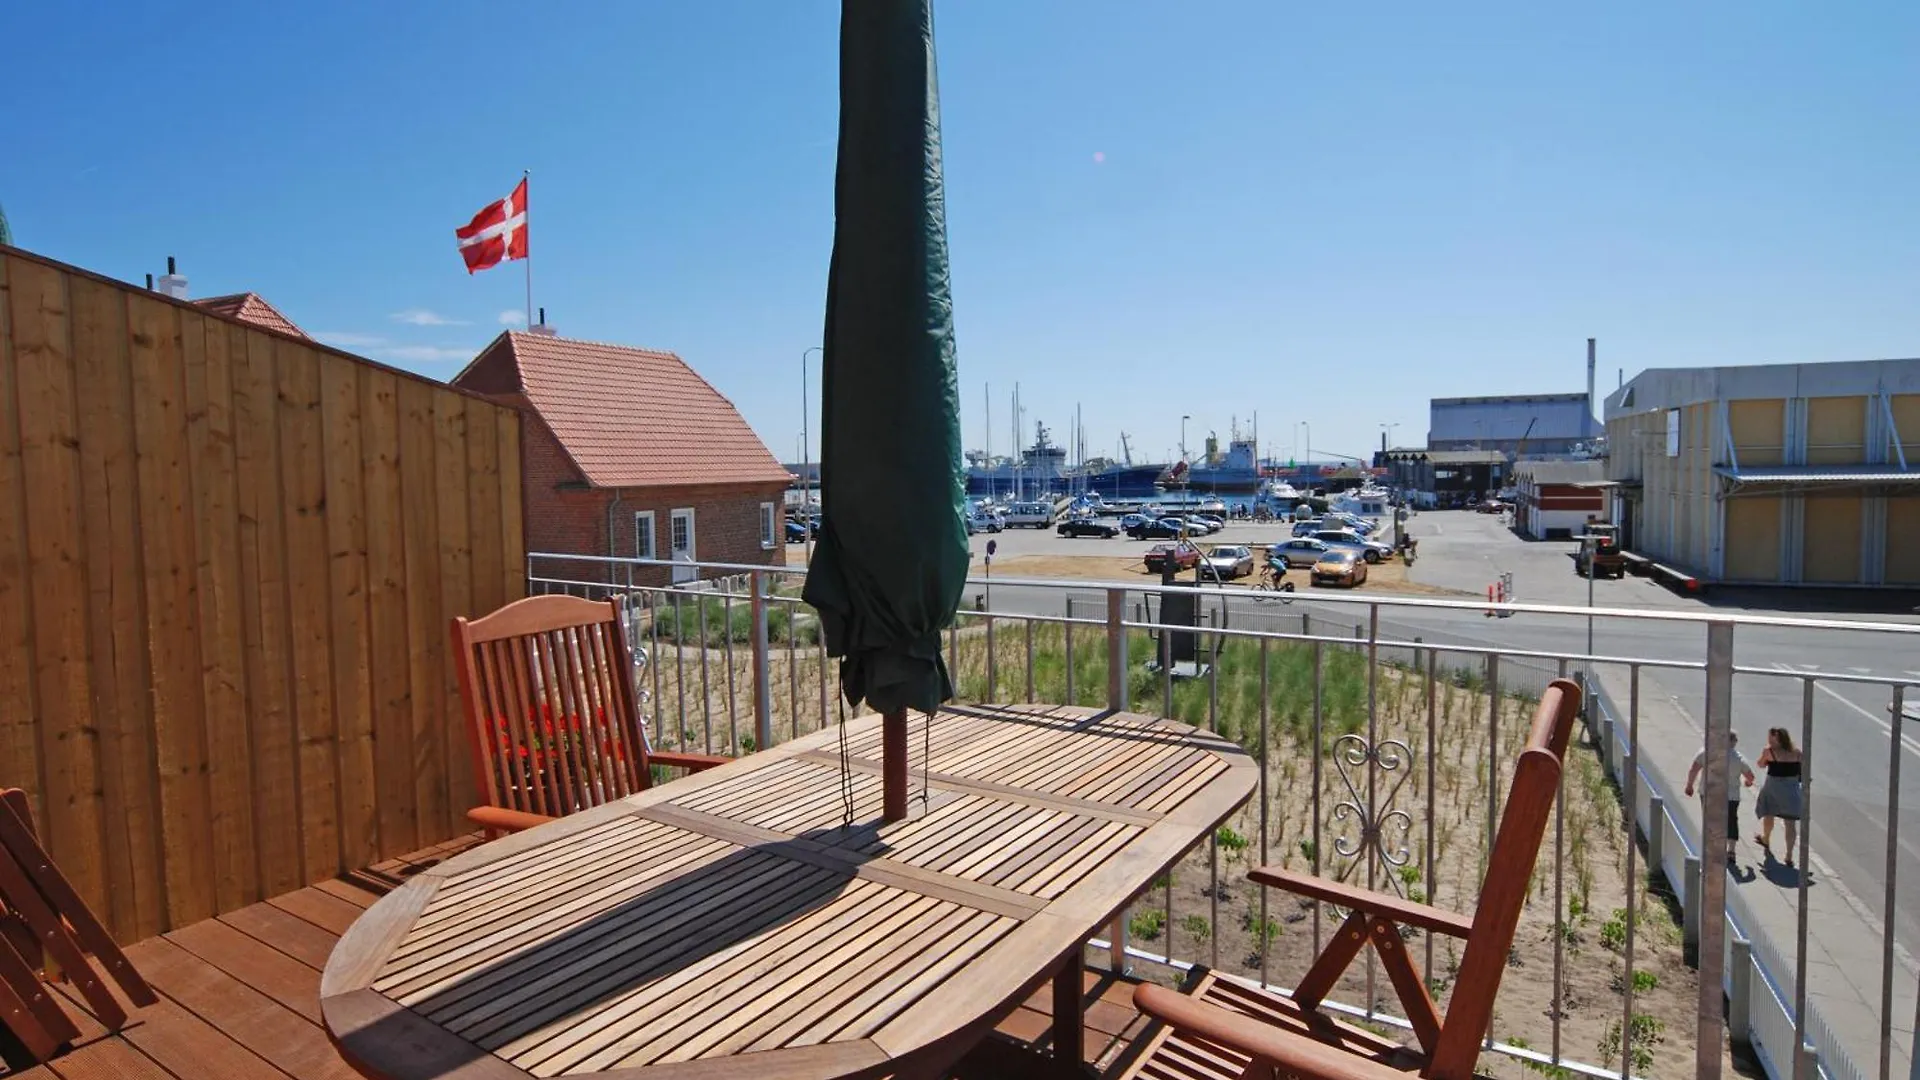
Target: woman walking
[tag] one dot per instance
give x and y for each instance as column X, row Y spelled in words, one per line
column 1780, row 796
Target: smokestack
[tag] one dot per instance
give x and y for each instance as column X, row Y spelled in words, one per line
column 173, row 284
column 149, row 282
column 1591, row 411
column 541, row 327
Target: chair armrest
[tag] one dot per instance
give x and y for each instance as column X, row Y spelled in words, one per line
column 504, row 820
column 690, row 762
column 1373, row 903
column 1291, row 1054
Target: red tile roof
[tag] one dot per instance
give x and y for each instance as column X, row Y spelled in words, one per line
column 251, row 308
column 627, row 417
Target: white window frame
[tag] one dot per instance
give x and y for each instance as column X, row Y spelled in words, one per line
column 645, row 529
column 683, row 570
column 769, row 527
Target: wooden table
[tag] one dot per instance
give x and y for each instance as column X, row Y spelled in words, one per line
column 728, row 925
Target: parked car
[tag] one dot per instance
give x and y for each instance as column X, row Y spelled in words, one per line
column 1169, row 528
column 1300, row 551
column 1184, row 556
column 987, row 521
column 1309, row 527
column 1087, row 527
column 1337, row 520
column 1129, row 521
column 1492, row 506
column 1229, row 561
column 1371, row 550
column 1341, row 566
column 1211, row 521
column 1034, row 515
column 796, row 532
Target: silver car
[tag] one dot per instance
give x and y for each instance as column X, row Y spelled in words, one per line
column 1371, row 550
column 1301, row 551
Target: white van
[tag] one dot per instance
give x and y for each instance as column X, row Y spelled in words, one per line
column 1033, row 515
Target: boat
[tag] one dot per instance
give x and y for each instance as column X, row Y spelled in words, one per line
column 1280, row 498
column 1368, row 500
column 1118, row 479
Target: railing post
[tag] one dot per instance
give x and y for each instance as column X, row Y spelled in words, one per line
column 1710, row 913
column 1656, row 833
column 1690, row 918
column 1740, row 992
column 1116, row 650
column 762, row 683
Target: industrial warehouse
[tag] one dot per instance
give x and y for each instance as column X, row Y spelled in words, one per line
column 1788, row 474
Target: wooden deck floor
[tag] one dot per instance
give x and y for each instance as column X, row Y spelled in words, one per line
column 239, row 999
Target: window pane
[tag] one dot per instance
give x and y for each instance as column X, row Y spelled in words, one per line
column 643, row 535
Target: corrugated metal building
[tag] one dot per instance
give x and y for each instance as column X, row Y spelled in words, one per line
column 1560, row 422
column 1555, row 499
column 1793, row 474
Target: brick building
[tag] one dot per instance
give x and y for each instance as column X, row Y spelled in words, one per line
column 630, row 453
column 1555, row 499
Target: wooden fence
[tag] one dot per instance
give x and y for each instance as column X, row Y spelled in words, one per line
column 228, row 559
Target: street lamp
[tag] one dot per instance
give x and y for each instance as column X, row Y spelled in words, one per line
column 806, row 463
column 1183, row 436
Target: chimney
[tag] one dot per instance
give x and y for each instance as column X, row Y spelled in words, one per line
column 1591, row 411
column 172, row 283
column 149, row 282
column 541, row 327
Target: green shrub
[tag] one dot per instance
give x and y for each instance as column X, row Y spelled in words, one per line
column 1147, row 924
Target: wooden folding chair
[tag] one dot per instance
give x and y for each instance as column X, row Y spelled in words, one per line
column 41, row 919
column 1271, row 1035
column 551, row 718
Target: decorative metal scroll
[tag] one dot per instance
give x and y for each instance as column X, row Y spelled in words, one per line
column 1370, row 828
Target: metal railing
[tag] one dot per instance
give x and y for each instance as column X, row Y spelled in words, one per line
column 1385, row 727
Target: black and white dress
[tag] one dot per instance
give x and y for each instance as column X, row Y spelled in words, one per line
column 1780, row 795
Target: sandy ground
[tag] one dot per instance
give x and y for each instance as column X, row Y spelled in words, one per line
column 1384, row 577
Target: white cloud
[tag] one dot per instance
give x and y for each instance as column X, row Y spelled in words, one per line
column 513, row 317
column 423, row 317
column 347, row 340
column 427, row 353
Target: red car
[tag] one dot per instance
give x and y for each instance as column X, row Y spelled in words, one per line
column 1184, row 557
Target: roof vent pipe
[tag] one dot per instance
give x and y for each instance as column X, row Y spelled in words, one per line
column 173, row 284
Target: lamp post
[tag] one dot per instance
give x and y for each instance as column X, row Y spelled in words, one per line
column 1183, row 435
column 806, row 463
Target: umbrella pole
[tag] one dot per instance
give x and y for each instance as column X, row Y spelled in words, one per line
column 893, row 765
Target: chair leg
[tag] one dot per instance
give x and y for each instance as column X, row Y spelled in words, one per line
column 1407, row 982
column 29, row 1011
column 1346, row 943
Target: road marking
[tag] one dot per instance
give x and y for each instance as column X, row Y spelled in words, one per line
column 1886, row 728
column 1861, row 670
column 1811, row 667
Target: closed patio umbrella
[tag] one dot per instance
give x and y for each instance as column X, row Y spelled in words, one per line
column 892, row 559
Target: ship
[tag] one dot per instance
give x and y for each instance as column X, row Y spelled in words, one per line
column 1041, row 469
column 1236, row 470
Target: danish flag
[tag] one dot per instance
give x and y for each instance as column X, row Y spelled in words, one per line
column 496, row 234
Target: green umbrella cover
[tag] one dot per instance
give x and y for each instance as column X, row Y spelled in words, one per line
column 892, row 559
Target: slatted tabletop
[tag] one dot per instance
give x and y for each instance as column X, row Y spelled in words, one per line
column 731, row 923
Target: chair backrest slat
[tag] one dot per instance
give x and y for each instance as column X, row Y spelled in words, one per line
column 1523, row 823
column 546, row 682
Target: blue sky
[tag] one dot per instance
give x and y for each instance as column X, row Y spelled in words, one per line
column 1307, row 211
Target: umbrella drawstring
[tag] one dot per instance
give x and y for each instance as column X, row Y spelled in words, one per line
column 846, row 770
column 926, row 754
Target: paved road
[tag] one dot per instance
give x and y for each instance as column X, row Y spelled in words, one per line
column 1852, row 734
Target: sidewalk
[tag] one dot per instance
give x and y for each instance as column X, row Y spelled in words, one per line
column 1844, row 939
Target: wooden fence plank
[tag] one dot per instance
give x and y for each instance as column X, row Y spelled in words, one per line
column 173, row 645
column 513, row 535
column 116, row 612
column 456, row 573
column 426, row 621
column 56, row 567
column 347, row 577
column 263, row 607
column 483, row 500
column 223, row 675
column 20, row 716
column 392, row 715
column 304, row 494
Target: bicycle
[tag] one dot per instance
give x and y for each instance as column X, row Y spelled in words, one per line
column 1273, row 579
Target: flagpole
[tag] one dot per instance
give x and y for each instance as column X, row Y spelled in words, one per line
column 526, row 177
